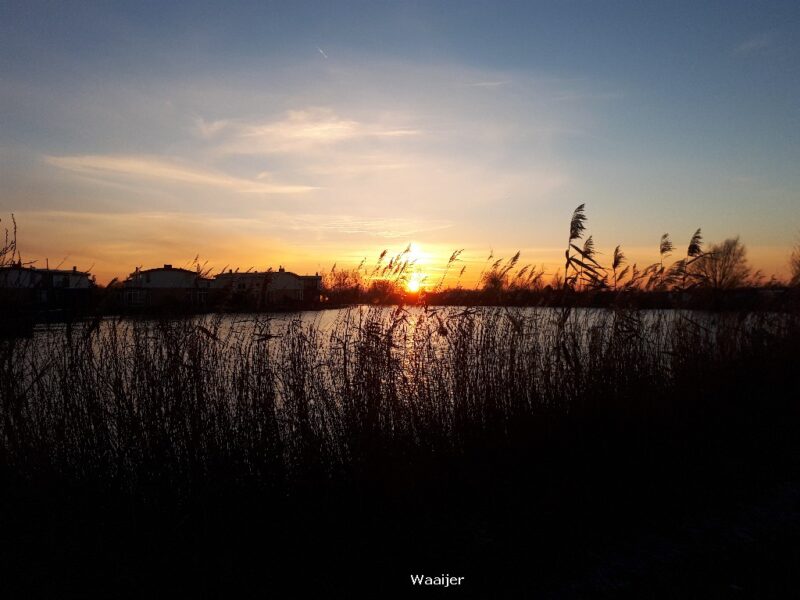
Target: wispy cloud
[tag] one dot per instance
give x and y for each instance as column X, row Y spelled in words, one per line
column 117, row 242
column 261, row 223
column 302, row 130
column 755, row 45
column 579, row 96
column 151, row 168
column 489, row 84
column 376, row 227
column 360, row 165
column 208, row 129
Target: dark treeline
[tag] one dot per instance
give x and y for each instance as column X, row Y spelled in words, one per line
column 772, row 298
column 698, row 276
column 713, row 277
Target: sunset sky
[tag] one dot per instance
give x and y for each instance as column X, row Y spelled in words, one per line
column 302, row 134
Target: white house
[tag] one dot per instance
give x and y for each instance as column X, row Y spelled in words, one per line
column 44, row 288
column 165, row 286
column 267, row 288
column 19, row 277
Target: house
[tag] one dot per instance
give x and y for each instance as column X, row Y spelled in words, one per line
column 17, row 277
column 240, row 290
column 270, row 288
column 166, row 287
column 286, row 287
column 20, row 277
column 24, row 287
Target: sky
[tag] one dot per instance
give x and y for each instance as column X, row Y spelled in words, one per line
column 306, row 134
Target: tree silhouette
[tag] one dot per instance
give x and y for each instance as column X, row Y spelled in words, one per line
column 724, row 266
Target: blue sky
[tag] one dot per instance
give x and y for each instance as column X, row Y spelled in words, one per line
column 259, row 134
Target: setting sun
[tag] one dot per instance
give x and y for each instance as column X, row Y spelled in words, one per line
column 415, row 281
column 416, row 258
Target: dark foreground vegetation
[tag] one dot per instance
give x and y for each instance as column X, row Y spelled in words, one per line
column 537, row 453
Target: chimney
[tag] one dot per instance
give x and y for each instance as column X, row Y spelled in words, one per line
column 74, row 269
column 167, row 267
